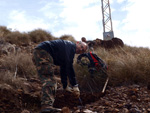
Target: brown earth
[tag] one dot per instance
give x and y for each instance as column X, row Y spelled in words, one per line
column 123, row 99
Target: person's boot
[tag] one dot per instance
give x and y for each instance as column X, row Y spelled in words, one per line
column 49, row 109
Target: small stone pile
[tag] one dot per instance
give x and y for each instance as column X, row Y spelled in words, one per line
column 123, row 99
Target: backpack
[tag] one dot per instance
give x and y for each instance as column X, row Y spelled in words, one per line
column 96, row 64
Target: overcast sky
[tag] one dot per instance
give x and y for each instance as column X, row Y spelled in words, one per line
column 79, row 18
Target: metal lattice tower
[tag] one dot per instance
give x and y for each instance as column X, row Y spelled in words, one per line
column 107, row 21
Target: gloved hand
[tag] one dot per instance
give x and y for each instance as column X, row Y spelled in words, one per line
column 78, row 61
column 69, row 89
column 76, row 91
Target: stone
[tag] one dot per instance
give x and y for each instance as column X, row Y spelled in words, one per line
column 125, row 110
column 65, row 110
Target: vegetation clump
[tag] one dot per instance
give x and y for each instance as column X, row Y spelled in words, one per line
column 126, row 65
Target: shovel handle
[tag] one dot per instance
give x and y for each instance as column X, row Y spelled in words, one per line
column 105, row 85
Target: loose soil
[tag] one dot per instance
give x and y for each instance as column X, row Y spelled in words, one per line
column 127, row 99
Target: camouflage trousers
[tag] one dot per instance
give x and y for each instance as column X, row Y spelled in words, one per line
column 44, row 65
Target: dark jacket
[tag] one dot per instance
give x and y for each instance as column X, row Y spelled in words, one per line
column 63, row 53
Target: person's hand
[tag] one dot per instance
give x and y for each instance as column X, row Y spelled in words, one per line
column 76, row 91
column 69, row 89
column 78, row 61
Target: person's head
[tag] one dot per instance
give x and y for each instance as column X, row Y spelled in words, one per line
column 83, row 39
column 81, row 47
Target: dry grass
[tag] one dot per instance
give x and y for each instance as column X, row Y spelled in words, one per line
column 68, row 37
column 18, row 38
column 16, row 68
column 24, row 39
column 88, row 82
column 20, row 63
column 9, row 81
column 40, row 35
column 127, row 65
column 4, row 31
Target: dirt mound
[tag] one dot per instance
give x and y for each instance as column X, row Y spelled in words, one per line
column 108, row 44
column 66, row 99
column 28, row 97
column 15, row 101
column 127, row 99
column 9, row 101
column 123, row 99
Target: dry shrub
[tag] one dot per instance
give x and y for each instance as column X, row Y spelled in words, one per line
column 21, row 64
column 127, row 65
column 4, row 31
column 9, row 81
column 40, row 35
column 88, row 82
column 68, row 37
column 18, row 38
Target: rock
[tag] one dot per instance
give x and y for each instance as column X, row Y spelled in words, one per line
column 144, row 110
column 65, row 110
column 114, row 42
column 27, row 88
column 120, row 105
column 125, row 110
column 128, row 106
column 116, row 110
column 99, row 108
column 133, row 97
column 135, row 110
column 107, row 103
column 77, row 111
column 88, row 111
column 7, row 48
column 148, row 109
column 25, row 111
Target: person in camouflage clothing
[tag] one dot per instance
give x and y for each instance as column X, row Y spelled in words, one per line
column 57, row 52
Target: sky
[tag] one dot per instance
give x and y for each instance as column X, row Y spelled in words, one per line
column 79, row 18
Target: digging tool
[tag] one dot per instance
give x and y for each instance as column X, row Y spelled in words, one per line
column 81, row 107
column 81, row 101
column 103, row 91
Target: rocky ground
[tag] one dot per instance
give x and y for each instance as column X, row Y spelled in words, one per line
column 123, row 99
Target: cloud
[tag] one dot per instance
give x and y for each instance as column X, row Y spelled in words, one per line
column 19, row 20
column 51, row 9
column 121, row 1
column 74, row 17
column 84, row 18
column 78, row 3
column 134, row 29
column 81, row 18
column 137, row 17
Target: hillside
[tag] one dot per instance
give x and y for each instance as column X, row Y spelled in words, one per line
column 20, row 89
